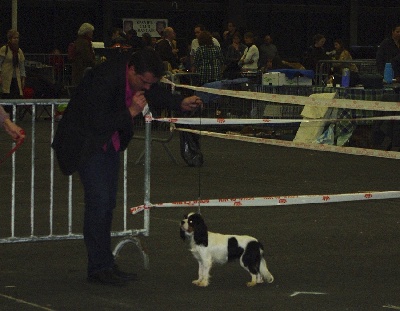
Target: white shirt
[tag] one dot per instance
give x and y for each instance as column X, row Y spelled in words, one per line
column 250, row 58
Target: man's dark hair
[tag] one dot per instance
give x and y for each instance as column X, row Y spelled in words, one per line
column 147, row 60
column 201, row 26
column 318, row 37
column 205, row 38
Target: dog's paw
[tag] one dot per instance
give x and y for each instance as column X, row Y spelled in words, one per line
column 259, row 279
column 251, row 284
column 203, row 284
column 200, row 283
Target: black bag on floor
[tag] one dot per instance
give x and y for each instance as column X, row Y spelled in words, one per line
column 190, row 149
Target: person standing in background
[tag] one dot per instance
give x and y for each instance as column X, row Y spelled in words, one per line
column 388, row 50
column 166, row 48
column 268, row 52
column 208, row 59
column 228, row 34
column 198, row 29
column 233, row 55
column 315, row 52
column 249, row 60
column 12, row 67
column 84, row 54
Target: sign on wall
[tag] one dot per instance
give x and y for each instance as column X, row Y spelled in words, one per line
column 152, row 26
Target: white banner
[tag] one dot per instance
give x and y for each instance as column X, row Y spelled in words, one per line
column 152, row 26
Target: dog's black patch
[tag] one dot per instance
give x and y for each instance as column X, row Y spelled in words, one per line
column 252, row 257
column 200, row 229
column 234, row 250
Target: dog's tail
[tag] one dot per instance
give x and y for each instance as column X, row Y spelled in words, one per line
column 263, row 267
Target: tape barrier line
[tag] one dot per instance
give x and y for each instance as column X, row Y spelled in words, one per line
column 276, row 200
column 216, row 121
column 290, row 144
column 295, row 99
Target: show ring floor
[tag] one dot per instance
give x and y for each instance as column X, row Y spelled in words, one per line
column 338, row 256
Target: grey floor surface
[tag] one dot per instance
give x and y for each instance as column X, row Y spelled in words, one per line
column 338, row 256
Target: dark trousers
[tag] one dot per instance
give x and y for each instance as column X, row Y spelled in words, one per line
column 99, row 177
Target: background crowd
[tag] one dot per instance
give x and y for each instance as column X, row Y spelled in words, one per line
column 227, row 54
column 214, row 56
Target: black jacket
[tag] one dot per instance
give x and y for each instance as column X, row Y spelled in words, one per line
column 164, row 49
column 98, row 109
column 387, row 52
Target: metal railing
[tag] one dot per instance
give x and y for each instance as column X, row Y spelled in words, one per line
column 39, row 202
column 54, row 68
column 324, row 68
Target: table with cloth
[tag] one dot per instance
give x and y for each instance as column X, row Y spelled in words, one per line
column 344, row 129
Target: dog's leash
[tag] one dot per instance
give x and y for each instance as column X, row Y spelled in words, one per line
column 199, row 168
column 15, row 148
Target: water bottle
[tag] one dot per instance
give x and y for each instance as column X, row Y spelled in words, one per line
column 388, row 74
column 346, row 77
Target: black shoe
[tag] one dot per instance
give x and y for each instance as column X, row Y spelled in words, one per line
column 106, row 277
column 124, row 275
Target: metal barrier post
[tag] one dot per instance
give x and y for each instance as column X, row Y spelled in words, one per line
column 147, row 161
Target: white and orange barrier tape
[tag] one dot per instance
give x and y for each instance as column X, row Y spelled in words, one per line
column 310, row 146
column 216, row 121
column 276, row 200
column 287, row 99
column 296, row 99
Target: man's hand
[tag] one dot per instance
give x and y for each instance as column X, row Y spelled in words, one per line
column 138, row 103
column 191, row 103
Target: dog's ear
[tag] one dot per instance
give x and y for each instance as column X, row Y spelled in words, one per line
column 182, row 234
column 200, row 233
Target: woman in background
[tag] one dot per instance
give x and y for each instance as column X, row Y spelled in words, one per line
column 233, row 55
column 341, row 53
column 12, row 67
column 208, row 59
column 249, row 60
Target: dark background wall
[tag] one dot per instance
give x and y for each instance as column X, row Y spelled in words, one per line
column 45, row 24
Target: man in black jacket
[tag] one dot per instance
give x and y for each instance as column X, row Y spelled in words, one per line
column 166, row 48
column 95, row 128
column 389, row 51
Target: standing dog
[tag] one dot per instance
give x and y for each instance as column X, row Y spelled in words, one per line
column 209, row 247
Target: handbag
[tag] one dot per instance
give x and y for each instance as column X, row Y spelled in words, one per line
column 190, row 149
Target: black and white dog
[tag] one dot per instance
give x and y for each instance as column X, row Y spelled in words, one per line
column 209, row 247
